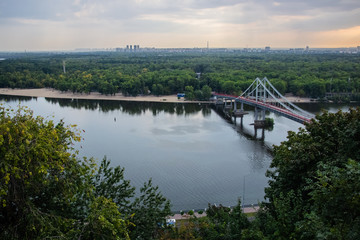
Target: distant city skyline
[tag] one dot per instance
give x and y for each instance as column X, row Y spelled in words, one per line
column 45, row 25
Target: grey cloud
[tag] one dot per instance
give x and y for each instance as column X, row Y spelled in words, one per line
column 132, row 9
column 133, row 15
column 203, row 4
column 312, row 15
column 36, row 9
column 149, row 26
column 326, row 22
column 289, row 7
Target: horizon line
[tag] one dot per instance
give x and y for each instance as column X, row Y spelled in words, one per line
column 164, row 48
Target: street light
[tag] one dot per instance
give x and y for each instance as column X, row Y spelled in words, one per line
column 243, row 194
column 243, row 200
column 243, row 205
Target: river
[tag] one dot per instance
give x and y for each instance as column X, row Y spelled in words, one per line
column 190, row 151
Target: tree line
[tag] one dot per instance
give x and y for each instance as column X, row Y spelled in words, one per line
column 197, row 74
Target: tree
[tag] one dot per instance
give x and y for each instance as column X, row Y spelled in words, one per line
column 189, row 93
column 198, row 95
column 305, row 166
column 228, row 87
column 149, row 212
column 280, row 85
column 47, row 192
column 145, row 214
column 157, row 89
column 39, row 177
column 104, row 221
column 336, row 210
column 206, row 92
column 110, row 183
column 223, row 223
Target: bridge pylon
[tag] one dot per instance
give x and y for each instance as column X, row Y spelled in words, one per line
column 238, row 113
column 259, row 118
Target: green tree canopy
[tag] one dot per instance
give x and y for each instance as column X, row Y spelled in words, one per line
column 46, row 191
column 309, row 75
column 308, row 170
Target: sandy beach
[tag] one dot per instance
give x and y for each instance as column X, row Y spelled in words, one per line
column 52, row 93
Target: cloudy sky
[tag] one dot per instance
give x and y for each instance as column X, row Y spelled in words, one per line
column 69, row 24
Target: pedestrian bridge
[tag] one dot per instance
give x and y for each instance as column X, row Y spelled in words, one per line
column 262, row 95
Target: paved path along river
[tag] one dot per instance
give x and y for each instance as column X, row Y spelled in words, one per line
column 178, row 216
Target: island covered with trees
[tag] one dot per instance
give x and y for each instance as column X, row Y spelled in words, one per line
column 335, row 76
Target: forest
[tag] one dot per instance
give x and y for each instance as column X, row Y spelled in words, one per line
column 195, row 73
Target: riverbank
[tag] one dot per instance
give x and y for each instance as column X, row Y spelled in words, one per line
column 52, row 93
column 178, row 216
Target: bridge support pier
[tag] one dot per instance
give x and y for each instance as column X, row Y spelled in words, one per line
column 259, row 119
column 259, row 122
column 239, row 113
column 262, row 133
column 228, row 104
column 219, row 102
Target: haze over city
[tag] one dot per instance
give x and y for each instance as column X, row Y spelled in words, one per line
column 41, row 25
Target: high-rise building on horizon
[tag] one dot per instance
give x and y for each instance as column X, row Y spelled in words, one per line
column 131, row 48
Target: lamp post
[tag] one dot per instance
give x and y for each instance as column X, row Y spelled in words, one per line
column 243, row 202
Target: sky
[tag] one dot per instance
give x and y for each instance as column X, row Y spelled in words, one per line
column 42, row 25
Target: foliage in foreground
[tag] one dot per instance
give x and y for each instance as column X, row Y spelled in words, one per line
column 47, row 192
column 314, row 188
column 220, row 223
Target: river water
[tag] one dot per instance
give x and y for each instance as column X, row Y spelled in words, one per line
column 190, row 151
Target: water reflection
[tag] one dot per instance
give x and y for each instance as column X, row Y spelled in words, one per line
column 176, row 130
column 331, row 107
column 258, row 158
column 8, row 98
column 132, row 108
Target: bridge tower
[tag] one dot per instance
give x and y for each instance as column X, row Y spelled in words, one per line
column 262, row 94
